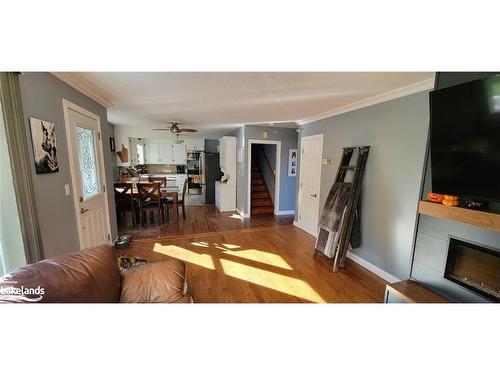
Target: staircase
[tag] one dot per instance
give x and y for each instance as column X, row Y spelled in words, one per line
column 261, row 199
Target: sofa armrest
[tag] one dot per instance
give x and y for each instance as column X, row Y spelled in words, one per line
column 156, row 282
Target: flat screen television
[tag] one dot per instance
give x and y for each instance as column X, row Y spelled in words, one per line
column 465, row 139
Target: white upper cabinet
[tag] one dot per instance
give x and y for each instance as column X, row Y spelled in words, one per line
column 152, row 153
column 195, row 144
column 179, row 154
column 164, row 152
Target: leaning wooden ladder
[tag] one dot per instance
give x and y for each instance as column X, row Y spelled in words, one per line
column 325, row 235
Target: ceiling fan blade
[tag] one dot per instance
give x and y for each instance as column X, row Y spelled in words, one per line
column 162, row 129
column 187, row 130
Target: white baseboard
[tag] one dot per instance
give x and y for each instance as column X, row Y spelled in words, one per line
column 373, row 268
column 286, row 212
column 296, row 224
column 242, row 214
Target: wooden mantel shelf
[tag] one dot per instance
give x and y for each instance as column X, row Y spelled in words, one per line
column 485, row 220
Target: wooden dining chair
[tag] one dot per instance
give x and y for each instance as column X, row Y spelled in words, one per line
column 124, row 200
column 161, row 180
column 181, row 201
column 150, row 200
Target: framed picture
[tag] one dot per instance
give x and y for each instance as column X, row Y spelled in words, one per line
column 292, row 162
column 112, row 144
column 43, row 136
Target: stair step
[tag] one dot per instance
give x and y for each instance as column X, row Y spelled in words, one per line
column 261, row 187
column 257, row 181
column 256, row 175
column 260, row 194
column 262, row 202
column 262, row 210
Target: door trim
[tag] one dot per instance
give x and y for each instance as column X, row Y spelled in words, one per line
column 67, row 105
column 299, row 206
column 277, row 174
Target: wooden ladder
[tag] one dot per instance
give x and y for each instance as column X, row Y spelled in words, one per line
column 352, row 202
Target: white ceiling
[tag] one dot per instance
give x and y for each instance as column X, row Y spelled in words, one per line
column 219, row 102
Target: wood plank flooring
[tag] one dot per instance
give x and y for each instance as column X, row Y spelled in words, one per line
column 205, row 219
column 259, row 264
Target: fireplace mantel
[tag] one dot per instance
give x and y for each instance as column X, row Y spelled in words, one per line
column 481, row 219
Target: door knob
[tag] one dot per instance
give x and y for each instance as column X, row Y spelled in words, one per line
column 313, row 195
column 83, row 210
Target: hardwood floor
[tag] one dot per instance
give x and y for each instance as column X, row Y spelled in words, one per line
column 205, row 219
column 259, row 264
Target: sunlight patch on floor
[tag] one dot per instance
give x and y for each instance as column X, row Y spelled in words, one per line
column 200, row 244
column 236, row 216
column 231, row 246
column 280, row 283
column 261, row 257
column 203, row 260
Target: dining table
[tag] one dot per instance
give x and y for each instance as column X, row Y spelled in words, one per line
column 166, row 192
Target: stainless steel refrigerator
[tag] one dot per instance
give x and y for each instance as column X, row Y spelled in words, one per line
column 203, row 171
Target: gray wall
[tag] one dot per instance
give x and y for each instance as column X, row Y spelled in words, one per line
column 397, row 133
column 431, row 244
column 42, row 96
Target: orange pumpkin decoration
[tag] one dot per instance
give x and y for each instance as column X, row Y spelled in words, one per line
column 434, row 197
column 450, row 200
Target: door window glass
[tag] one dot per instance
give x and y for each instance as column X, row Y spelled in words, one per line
column 87, row 159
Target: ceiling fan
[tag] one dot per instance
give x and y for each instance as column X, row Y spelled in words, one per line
column 174, row 128
column 176, row 131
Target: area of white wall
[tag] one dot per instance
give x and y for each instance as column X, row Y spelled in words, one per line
column 397, row 133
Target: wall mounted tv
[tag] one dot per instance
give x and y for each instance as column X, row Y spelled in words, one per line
column 465, row 139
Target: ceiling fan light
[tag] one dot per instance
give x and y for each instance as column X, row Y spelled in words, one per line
column 177, row 140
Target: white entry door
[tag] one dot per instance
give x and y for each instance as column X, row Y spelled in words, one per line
column 87, row 169
column 310, row 182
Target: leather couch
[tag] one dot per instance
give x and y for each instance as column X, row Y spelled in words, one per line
column 93, row 276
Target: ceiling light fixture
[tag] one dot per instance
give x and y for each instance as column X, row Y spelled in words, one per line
column 177, row 139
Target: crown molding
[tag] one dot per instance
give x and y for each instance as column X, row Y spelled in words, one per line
column 83, row 86
column 427, row 84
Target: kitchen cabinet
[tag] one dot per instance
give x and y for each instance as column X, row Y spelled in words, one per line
column 178, row 154
column 195, row 144
column 225, row 196
column 151, row 153
column 164, row 153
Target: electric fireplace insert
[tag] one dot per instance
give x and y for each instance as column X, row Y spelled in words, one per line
column 474, row 267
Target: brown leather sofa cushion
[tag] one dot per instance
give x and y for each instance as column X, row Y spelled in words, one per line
column 155, row 283
column 85, row 276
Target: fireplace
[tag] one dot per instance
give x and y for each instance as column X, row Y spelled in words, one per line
column 474, row 267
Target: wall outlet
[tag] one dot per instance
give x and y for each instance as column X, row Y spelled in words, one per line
column 67, row 190
column 326, row 161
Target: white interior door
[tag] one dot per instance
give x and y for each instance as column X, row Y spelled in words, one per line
column 310, row 183
column 87, row 169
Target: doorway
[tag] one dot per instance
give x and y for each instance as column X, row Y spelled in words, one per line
column 83, row 132
column 263, row 176
column 310, row 183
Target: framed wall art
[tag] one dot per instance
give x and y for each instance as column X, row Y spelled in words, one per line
column 292, row 162
column 43, row 136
